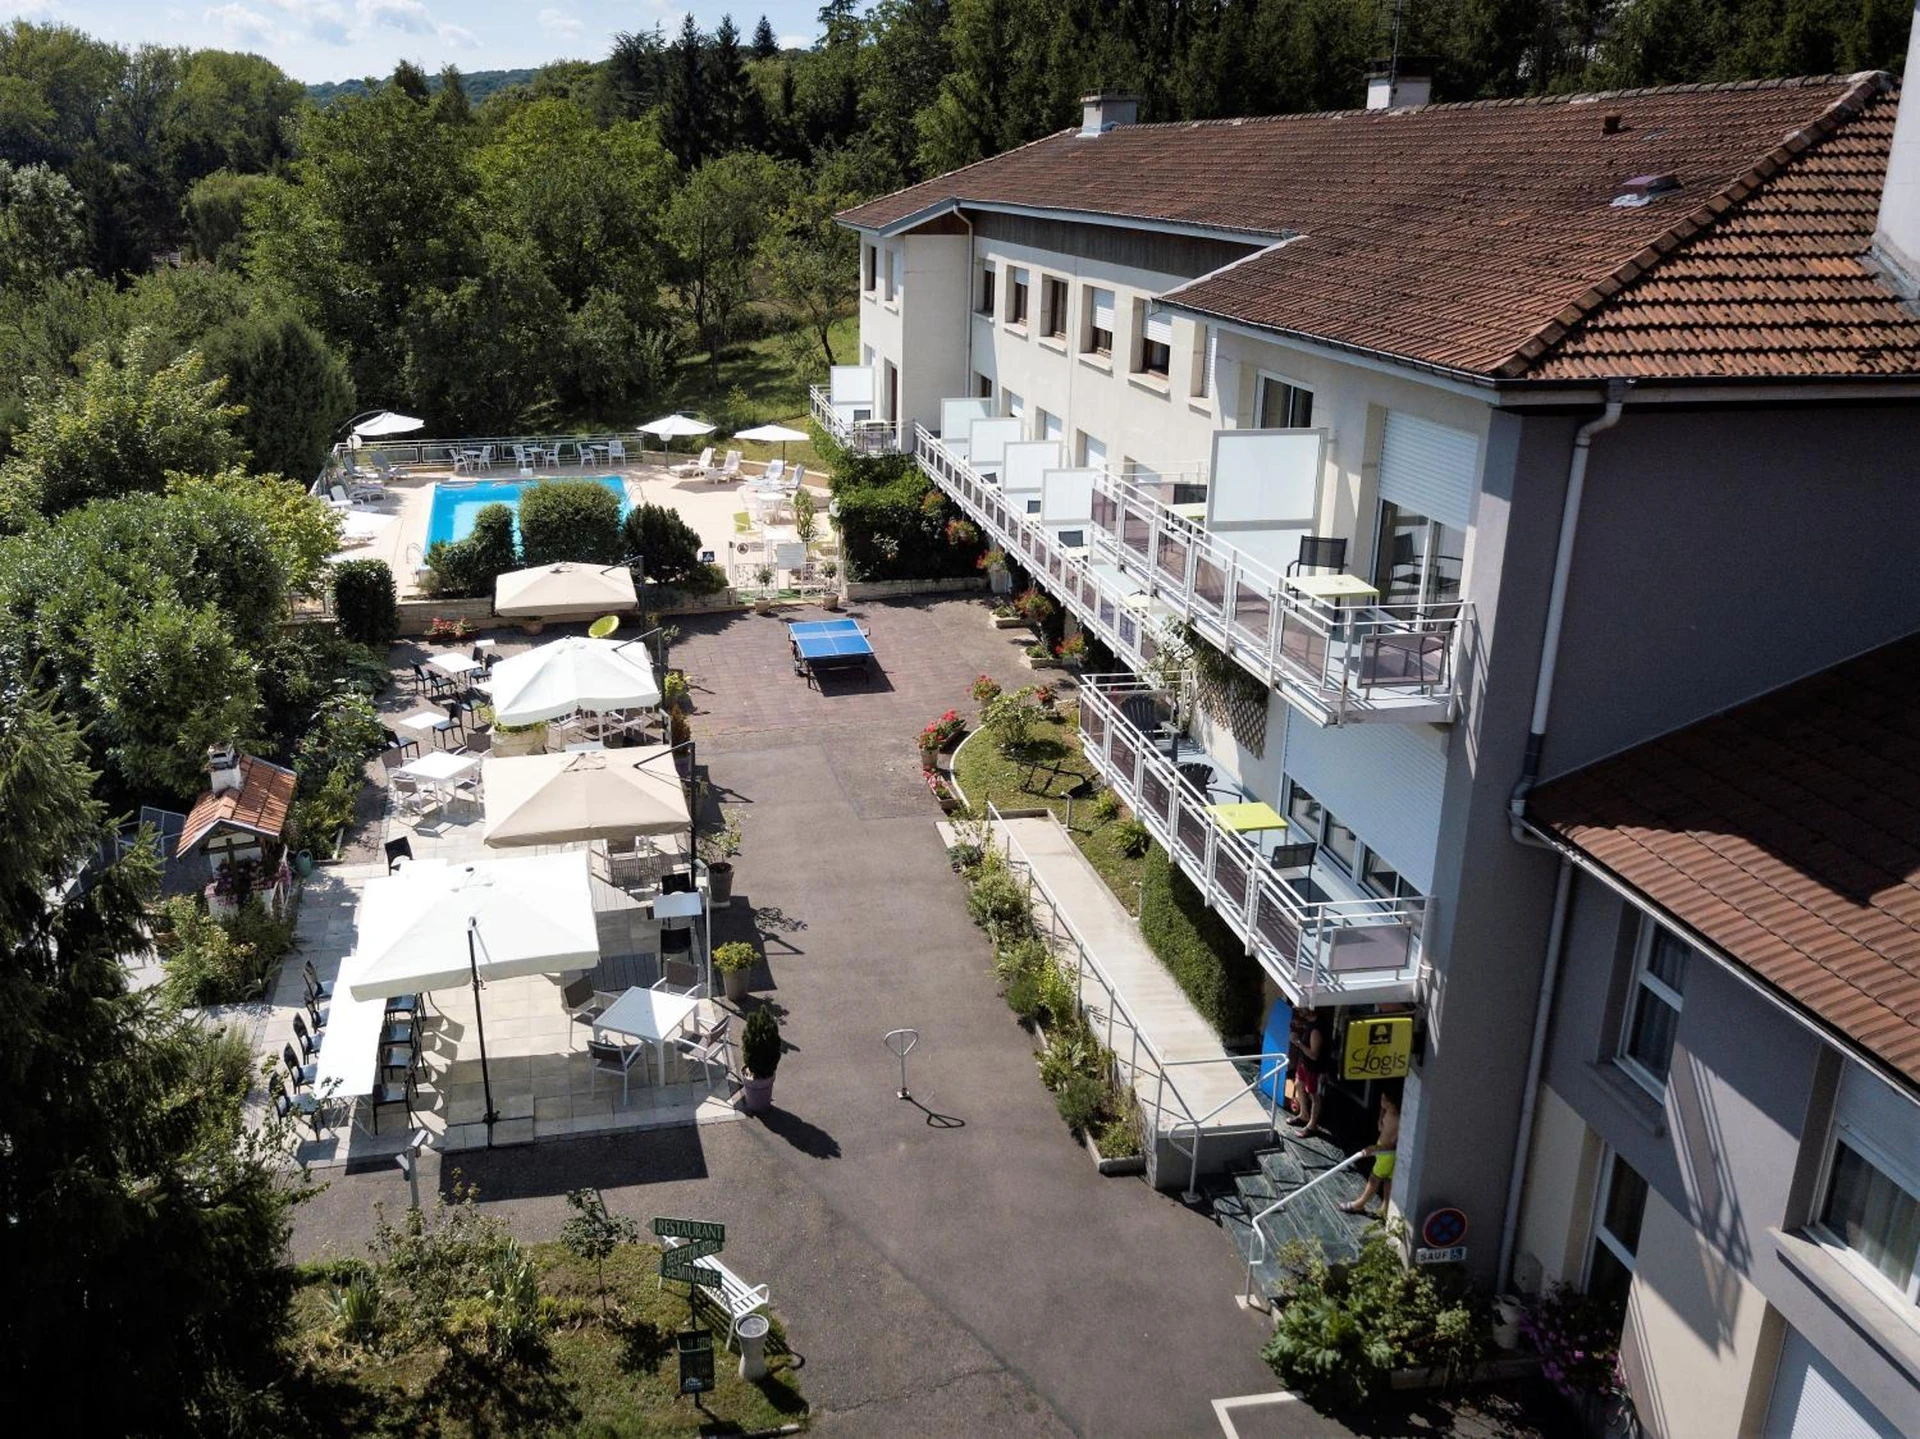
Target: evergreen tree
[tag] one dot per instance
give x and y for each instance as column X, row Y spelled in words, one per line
column 450, row 104
column 637, row 72
column 736, row 116
column 684, row 115
column 765, row 46
column 410, row 80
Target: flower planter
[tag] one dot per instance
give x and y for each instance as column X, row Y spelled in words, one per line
column 1121, row 1164
column 504, row 743
column 720, row 889
column 756, row 1095
column 1006, row 622
column 736, row 983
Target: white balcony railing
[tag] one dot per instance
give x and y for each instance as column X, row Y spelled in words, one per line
column 863, row 437
column 1146, row 563
column 1334, row 951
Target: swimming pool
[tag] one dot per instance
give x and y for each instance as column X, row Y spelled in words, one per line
column 456, row 502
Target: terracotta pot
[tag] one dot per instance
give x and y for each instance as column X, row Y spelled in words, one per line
column 756, row 1095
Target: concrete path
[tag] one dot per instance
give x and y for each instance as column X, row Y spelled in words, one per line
column 948, row 1266
column 1203, row 1084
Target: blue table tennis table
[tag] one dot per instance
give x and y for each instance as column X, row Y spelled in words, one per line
column 827, row 646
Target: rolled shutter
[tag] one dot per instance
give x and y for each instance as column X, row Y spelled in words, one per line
column 1103, row 310
column 1429, row 469
column 1159, row 327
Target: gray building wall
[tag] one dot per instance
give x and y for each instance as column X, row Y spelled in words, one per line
column 1723, row 553
column 1736, row 1147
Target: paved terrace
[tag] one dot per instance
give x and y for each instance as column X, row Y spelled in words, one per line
column 951, row 1266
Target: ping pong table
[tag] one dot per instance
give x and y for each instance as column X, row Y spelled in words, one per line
column 825, row 646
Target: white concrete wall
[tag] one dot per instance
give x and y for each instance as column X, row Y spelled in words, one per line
column 1557, row 1205
column 935, row 313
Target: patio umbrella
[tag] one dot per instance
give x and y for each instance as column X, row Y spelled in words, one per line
column 575, row 673
column 596, row 794
column 436, row 926
column 771, row 435
column 387, row 422
column 675, row 426
column 568, row 590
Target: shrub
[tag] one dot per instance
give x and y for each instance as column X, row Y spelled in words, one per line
column 1132, row 838
column 1034, row 606
column 569, row 520
column 1202, row 954
column 1119, row 1137
column 1081, row 1101
column 1071, row 650
column 1011, row 718
column 1023, row 995
column 760, row 1044
column 1577, row 1337
column 962, row 532
column 985, row 689
column 322, row 812
column 1341, row 1333
column 1106, row 806
column 459, row 569
column 344, row 735
column 365, row 602
column 734, row 955
column 998, row 903
column 889, row 528
column 668, row 549
column 1070, row 1053
column 356, row 1309
column 210, row 962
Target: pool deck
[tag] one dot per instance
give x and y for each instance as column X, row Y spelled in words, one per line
column 399, row 526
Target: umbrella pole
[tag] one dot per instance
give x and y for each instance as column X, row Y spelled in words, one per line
column 480, row 1028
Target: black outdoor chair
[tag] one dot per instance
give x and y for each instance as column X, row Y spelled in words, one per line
column 397, row 741
column 405, row 1006
column 676, row 941
column 389, row 1093
column 1320, row 552
column 316, row 1016
column 309, row 1046
column 677, row 881
column 307, row 1106
column 398, row 849
column 302, row 1075
column 317, row 988
column 1293, row 856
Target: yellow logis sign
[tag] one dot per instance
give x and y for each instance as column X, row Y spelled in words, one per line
column 1380, row 1047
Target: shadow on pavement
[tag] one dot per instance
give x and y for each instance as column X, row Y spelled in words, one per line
column 806, row 1137
column 622, row 1158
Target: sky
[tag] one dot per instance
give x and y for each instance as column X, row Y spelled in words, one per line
column 318, row 40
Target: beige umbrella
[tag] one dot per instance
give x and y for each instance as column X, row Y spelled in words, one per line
column 595, row 794
column 564, row 591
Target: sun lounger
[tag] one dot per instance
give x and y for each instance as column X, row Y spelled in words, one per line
column 695, row 469
column 731, row 469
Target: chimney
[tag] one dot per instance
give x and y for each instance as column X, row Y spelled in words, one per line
column 1102, row 112
column 1398, row 84
column 1896, row 235
column 223, row 768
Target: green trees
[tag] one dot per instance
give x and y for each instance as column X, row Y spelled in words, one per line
column 667, row 548
column 714, row 225
column 290, row 389
column 467, row 567
column 145, row 1233
column 569, row 520
column 363, row 598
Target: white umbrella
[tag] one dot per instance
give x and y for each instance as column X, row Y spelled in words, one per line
column 565, row 590
column 596, row 794
column 675, row 426
column 771, row 435
column 575, row 673
column 387, row 422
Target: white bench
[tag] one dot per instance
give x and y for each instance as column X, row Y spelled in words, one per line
column 737, row 1297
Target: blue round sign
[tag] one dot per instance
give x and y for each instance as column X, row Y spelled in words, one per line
column 1444, row 1228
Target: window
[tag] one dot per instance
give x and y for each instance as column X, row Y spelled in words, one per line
column 1206, row 355
column 1072, row 539
column 895, row 273
column 1653, row 1005
column 1616, row 1230
column 1053, row 308
column 986, row 289
column 868, row 267
column 1869, row 1212
column 1382, row 878
column 1049, row 426
column 983, row 386
column 1418, row 561
column 1304, row 812
column 1016, row 406
column 1017, row 297
column 1033, row 506
column 1099, row 322
column 1093, row 453
column 1284, row 405
column 1156, row 344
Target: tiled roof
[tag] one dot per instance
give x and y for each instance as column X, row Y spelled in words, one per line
column 260, row 805
column 1483, row 238
column 1786, row 833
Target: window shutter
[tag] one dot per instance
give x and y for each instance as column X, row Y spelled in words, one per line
column 896, row 266
column 1017, row 276
column 1103, row 310
column 1429, row 469
column 1213, row 356
column 1159, row 327
column 1096, row 454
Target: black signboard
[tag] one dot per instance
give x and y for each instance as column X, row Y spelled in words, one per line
column 696, row 1361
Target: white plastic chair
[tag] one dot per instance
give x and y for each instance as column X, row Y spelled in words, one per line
column 731, row 469
column 774, row 472
column 617, row 450
column 694, row 469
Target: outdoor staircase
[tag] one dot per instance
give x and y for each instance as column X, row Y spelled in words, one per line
column 1315, row 1218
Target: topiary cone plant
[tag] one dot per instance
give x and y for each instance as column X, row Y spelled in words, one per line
column 760, row 1057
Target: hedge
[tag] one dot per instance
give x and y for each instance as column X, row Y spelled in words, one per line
column 464, row 568
column 669, row 550
column 569, row 520
column 365, row 602
column 1205, row 957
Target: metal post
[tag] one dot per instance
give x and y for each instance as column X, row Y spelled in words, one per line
column 479, row 1023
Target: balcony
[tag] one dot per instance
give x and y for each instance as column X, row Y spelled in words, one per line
column 1319, row 951
column 862, row 437
column 1335, row 664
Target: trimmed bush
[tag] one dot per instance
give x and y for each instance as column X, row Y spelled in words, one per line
column 365, row 601
column 669, row 550
column 1205, row 957
column 894, row 522
column 569, row 520
column 466, row 568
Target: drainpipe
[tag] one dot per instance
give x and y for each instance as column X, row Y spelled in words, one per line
column 1530, row 1092
column 1557, row 603
column 973, row 258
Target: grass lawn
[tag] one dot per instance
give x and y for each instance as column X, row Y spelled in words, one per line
column 1042, row 777
column 775, row 394
column 612, row 1376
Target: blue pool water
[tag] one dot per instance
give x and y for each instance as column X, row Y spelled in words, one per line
column 455, row 503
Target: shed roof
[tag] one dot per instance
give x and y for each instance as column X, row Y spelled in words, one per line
column 260, row 806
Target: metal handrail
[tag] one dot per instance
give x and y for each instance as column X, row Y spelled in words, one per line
column 1281, row 1203
column 433, row 451
column 866, row 437
column 1260, row 1076
column 1230, row 870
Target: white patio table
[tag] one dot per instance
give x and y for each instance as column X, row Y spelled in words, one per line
column 348, row 1066
column 449, row 662
column 440, row 767
column 653, row 1015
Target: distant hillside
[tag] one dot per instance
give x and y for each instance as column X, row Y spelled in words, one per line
column 480, row 84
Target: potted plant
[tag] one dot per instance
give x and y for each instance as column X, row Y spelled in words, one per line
column 763, row 602
column 735, row 961
column 718, row 850
column 760, row 1057
column 831, row 573
column 1044, row 696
